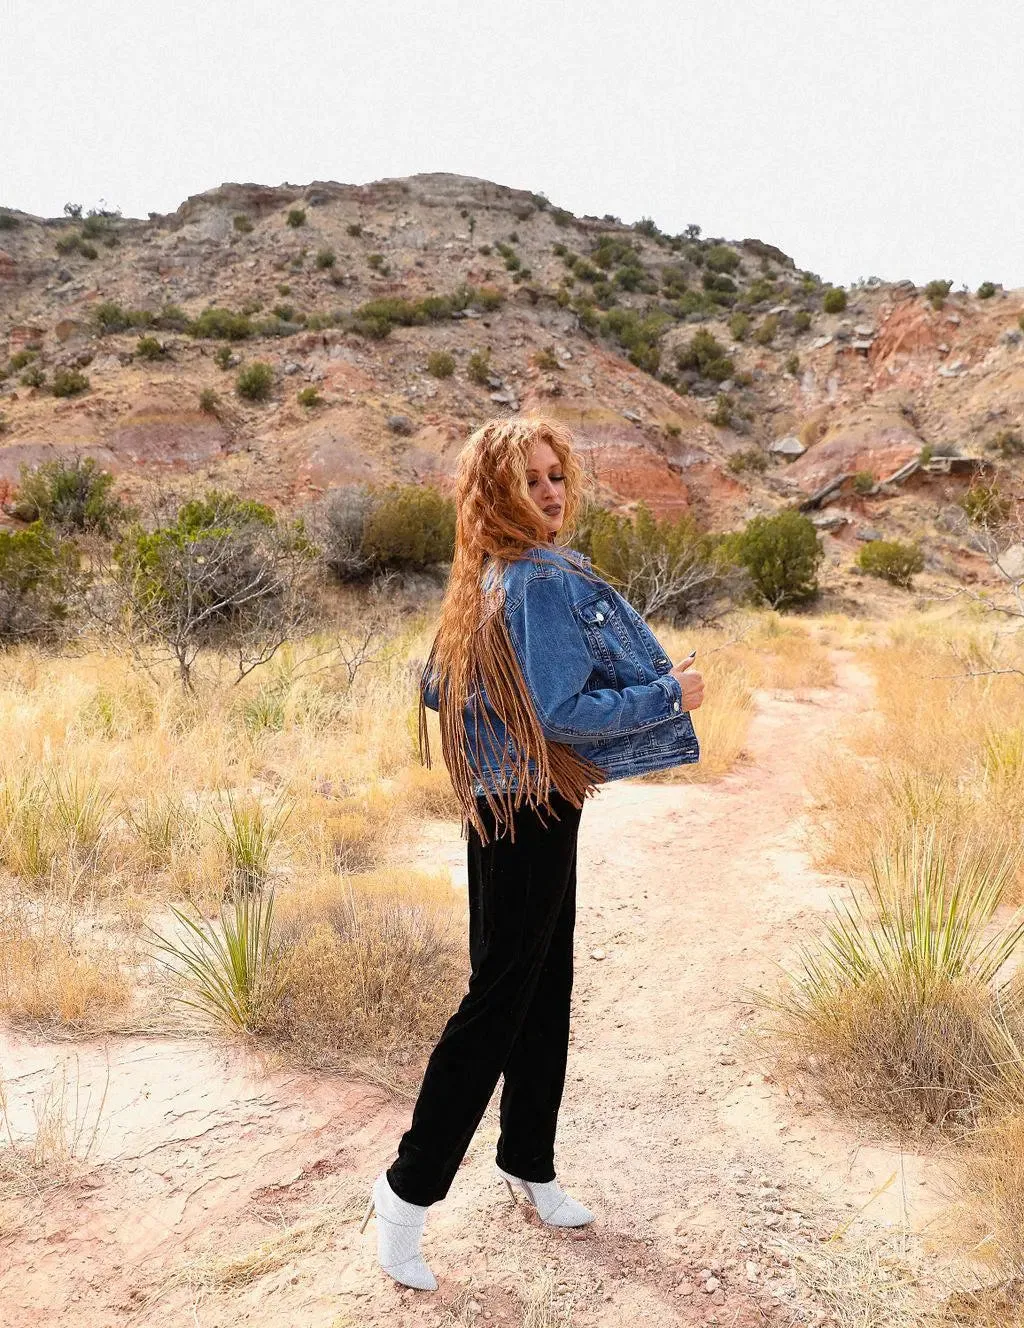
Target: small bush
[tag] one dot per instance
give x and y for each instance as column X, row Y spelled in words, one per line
column 209, row 402
column 20, row 359
column 222, row 357
column 255, row 381
column 8, row 222
column 242, row 224
column 766, row 333
column 781, row 553
column 707, row 355
column 34, row 376
column 310, row 397
column 440, row 364
column 936, row 291
column 355, row 229
column 547, row 360
column 38, row 576
column 479, row 367
column 720, row 258
column 739, row 326
column 149, row 348
column 893, row 560
column 221, row 324
column 69, row 383
column 72, row 495
column 801, row 320
column 489, row 298
column 751, row 458
column 666, row 567
column 834, row 301
column 410, row 527
column 863, row 482
column 792, row 365
column 296, row 217
column 721, row 416
column 986, row 504
column 986, row 290
column 325, row 258
column 375, row 261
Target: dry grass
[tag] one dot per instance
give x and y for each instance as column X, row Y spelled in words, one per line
column 943, row 749
column 52, row 982
column 375, row 965
column 62, row 1137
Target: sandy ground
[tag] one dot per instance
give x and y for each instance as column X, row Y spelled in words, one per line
column 223, row 1191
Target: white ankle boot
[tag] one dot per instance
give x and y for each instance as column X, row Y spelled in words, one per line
column 399, row 1230
column 554, row 1207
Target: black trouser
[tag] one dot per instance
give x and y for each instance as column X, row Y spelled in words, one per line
column 514, row 1019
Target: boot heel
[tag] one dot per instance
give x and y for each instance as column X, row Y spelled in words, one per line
column 511, row 1193
column 367, row 1216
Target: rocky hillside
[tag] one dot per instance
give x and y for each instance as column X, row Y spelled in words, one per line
column 353, row 291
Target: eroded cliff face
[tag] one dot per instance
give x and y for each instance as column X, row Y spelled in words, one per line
column 863, row 390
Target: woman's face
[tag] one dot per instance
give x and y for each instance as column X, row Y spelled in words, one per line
column 545, row 484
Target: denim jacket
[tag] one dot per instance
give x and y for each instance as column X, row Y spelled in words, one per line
column 598, row 678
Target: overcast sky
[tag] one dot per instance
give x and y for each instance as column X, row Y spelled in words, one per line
column 863, row 137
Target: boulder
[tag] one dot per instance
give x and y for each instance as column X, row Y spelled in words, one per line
column 789, row 446
column 401, row 424
column 1011, row 563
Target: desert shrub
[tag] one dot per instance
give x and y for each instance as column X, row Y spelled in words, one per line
column 69, row 383
column 355, row 229
column 834, row 301
column 479, row 367
column 8, row 222
column 665, row 567
column 296, row 217
column 21, row 359
column 547, row 360
column 34, row 376
column 255, row 381
column 241, row 223
column 224, row 573
column 781, row 555
column 310, row 397
column 410, row 527
column 801, row 320
column 766, row 333
column 72, row 495
column 739, row 326
column 375, row 262
column 209, row 402
column 638, row 334
column 751, row 458
column 221, row 324
column 325, row 258
column 893, row 560
column 720, row 258
column 38, row 577
column 936, row 291
column 707, row 355
column 489, row 298
column 149, row 348
column 441, row 364
column 863, row 482
column 222, row 357
column 721, row 416
column 986, row 504
column 792, row 365
column 986, row 290
column 900, row 1009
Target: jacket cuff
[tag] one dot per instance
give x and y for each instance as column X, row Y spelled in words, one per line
column 673, row 691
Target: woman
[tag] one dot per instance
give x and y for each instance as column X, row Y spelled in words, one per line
column 547, row 683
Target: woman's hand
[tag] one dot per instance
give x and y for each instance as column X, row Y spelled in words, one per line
column 691, row 683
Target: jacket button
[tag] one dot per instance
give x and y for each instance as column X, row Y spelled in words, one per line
column 675, row 705
column 599, row 617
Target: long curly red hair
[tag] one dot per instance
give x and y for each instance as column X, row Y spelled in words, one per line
column 497, row 522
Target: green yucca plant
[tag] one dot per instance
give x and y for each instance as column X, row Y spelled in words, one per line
column 900, row 1007
column 232, row 971
column 250, row 832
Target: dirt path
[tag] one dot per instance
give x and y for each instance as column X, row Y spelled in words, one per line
column 702, row 1171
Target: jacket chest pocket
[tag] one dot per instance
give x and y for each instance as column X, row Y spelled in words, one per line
column 609, row 640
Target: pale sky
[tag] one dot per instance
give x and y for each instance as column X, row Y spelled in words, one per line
column 863, row 137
